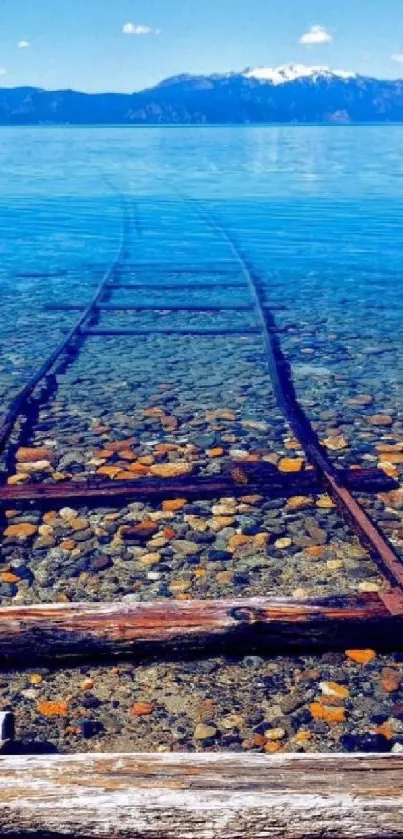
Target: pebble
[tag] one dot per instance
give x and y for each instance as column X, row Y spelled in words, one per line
column 20, row 531
column 275, row 733
column 171, row 470
column 381, row 420
column 287, row 464
column 204, row 732
column 185, row 547
column 283, row 543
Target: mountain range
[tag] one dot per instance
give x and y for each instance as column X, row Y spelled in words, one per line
column 292, row 93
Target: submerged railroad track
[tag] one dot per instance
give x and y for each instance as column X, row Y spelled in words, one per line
column 64, row 631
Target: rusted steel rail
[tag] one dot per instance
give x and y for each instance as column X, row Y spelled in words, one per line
column 280, row 373
column 208, row 796
column 241, row 479
column 19, row 403
column 176, row 628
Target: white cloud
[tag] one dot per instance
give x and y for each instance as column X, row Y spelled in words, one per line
column 23, row 45
column 3, row 71
column 398, row 57
column 138, row 29
column 316, row 35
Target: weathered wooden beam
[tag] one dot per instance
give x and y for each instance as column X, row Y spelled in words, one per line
column 153, row 307
column 202, row 796
column 168, row 330
column 166, row 628
column 242, row 478
column 156, row 286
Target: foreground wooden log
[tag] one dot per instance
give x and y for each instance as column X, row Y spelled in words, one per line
column 202, row 796
column 29, row 633
column 238, row 479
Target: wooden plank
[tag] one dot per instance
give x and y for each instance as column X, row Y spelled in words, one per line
column 142, row 629
column 153, row 307
column 167, row 330
column 242, row 478
column 202, row 796
column 156, row 286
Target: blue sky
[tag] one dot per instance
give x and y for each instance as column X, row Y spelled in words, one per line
column 131, row 44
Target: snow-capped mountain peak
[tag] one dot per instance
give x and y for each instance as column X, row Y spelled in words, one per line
column 292, row 72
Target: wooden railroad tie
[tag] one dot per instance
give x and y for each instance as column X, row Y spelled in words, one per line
column 169, row 628
column 202, row 796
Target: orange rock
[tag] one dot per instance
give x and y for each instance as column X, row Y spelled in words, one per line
column 329, row 715
column 393, row 457
column 103, row 454
column 389, row 469
column 200, row 572
column 78, row 524
column 361, row 656
column 288, row 464
column 324, row 502
column 259, row 740
column 109, row 471
column 141, row 709
column 120, row 445
column 169, row 422
column 298, row 502
column 251, row 499
column 394, row 498
column 271, row 748
column 32, row 455
column 166, row 448
column 302, row 737
column 260, row 540
column 361, row 400
column 125, row 475
column 20, row 531
column 142, row 529
column 56, row 708
column 386, row 730
column 292, row 444
column 217, row 452
column 381, row 420
column 315, row 550
column 9, row 577
column 389, row 447
column 146, row 460
column 174, row 504
column 126, row 454
column 390, row 680
column 171, row 470
column 68, row 544
column 137, row 469
column 237, row 540
column 169, row 533
column 14, row 480
column 154, row 412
